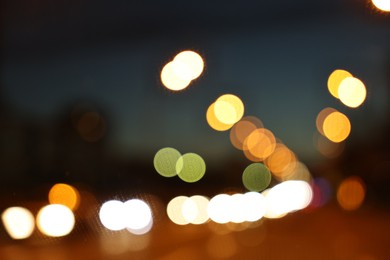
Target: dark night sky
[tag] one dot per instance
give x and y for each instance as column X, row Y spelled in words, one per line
column 275, row 55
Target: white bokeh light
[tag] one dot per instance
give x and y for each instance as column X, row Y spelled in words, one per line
column 137, row 214
column 18, row 222
column 55, row 220
column 112, row 215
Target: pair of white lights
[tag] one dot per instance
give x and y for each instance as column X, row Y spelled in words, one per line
column 134, row 215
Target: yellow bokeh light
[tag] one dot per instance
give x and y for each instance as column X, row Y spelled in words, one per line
column 188, row 65
column 229, row 109
column 352, row 92
column 171, row 80
column 55, row 220
column 321, row 117
column 335, row 79
column 213, row 121
column 337, row 127
column 351, row 193
column 240, row 131
column 383, row 5
column 18, row 222
column 259, row 144
column 165, row 161
column 64, row 194
column 190, row 167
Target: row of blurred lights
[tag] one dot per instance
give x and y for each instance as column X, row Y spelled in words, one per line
column 136, row 215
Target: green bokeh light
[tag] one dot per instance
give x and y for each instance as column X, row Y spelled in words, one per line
column 190, row 167
column 256, row 177
column 165, row 161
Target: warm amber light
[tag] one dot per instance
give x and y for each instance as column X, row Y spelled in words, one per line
column 335, row 79
column 171, row 80
column 352, row 92
column 213, row 121
column 383, row 5
column 351, row 193
column 64, row 194
column 259, row 144
column 321, row 117
column 188, row 65
column 337, row 127
column 281, row 162
column 242, row 129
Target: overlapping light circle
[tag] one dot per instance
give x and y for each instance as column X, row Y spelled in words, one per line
column 336, row 127
column 183, row 210
column 134, row 215
column 186, row 66
column 227, row 110
column 352, row 92
column 189, row 167
column 237, row 208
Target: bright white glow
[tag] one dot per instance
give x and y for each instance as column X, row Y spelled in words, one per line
column 383, row 5
column 55, row 220
column 175, row 210
column 112, row 215
column 352, row 92
column 219, row 208
column 201, row 203
column 137, row 214
column 188, row 65
column 18, row 222
column 238, row 212
column 171, row 80
column 287, row 197
column 189, row 210
column 255, row 206
column 142, row 230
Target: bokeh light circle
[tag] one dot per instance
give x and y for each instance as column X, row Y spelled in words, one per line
column 242, row 129
column 64, row 194
column 138, row 214
column 334, row 80
column 351, row 193
column 256, row 177
column 55, row 220
column 337, row 127
column 188, row 65
column 165, row 161
column 174, row 210
column 19, row 222
column 112, row 215
column 352, row 92
column 190, row 167
column 171, row 80
column 229, row 109
column 383, row 5
column 214, row 122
